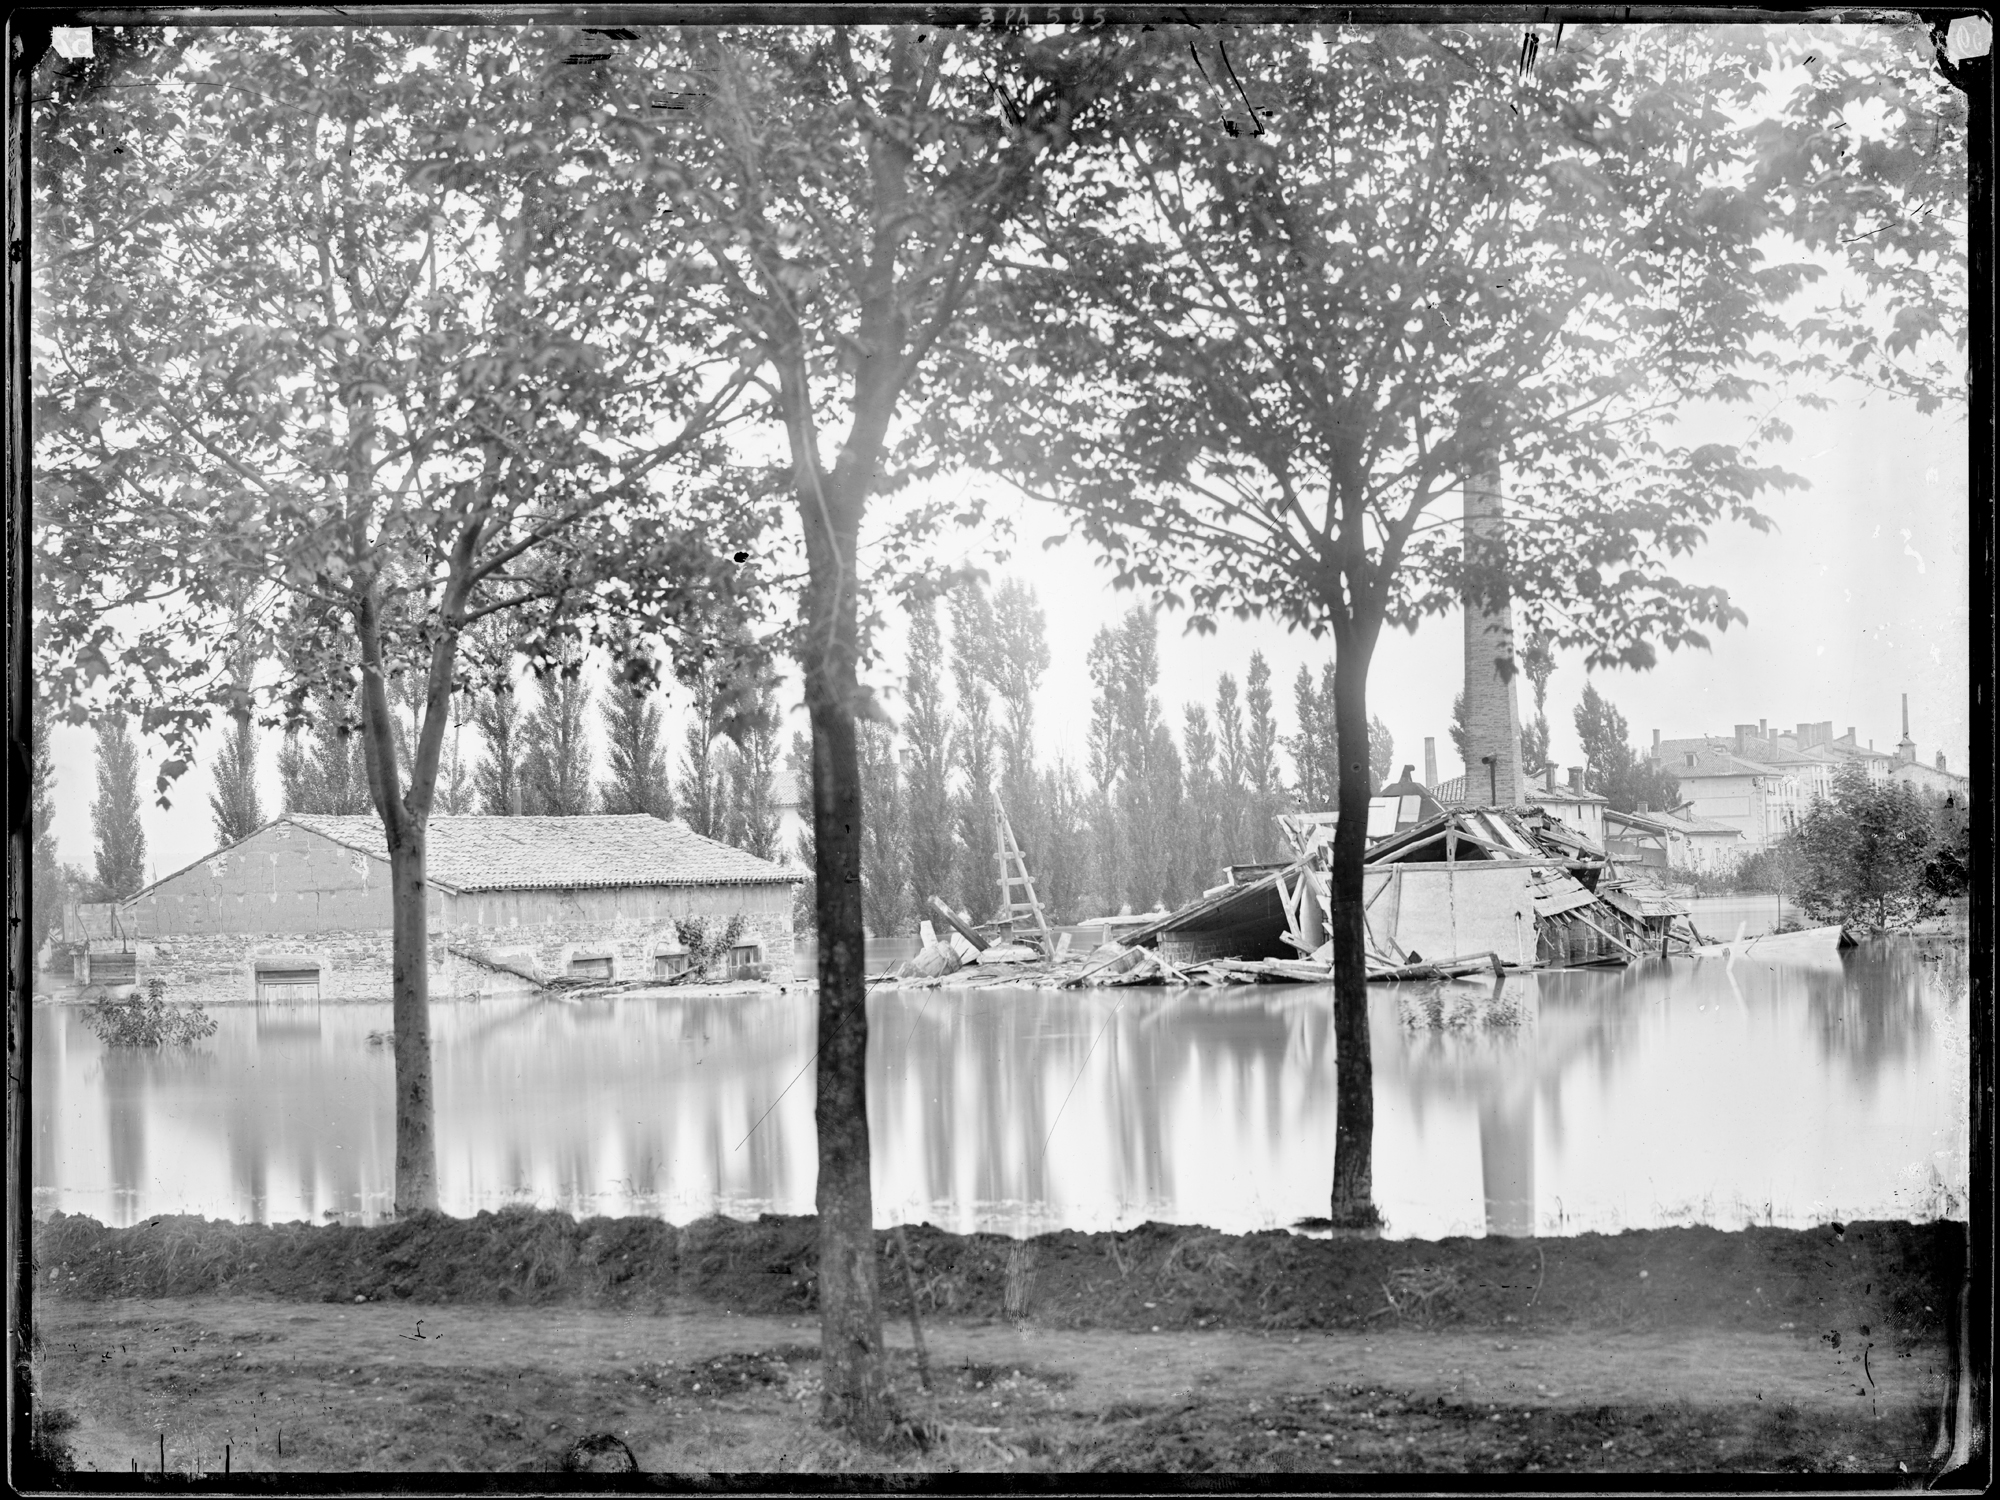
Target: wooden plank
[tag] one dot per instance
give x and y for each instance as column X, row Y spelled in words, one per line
column 1626, row 947
column 950, row 916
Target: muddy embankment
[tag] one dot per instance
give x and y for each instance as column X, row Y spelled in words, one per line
column 1890, row 1278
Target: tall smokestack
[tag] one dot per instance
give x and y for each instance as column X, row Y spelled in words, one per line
column 1492, row 705
column 1656, row 744
column 1430, row 761
column 1906, row 716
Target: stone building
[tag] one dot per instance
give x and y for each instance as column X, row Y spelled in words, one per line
column 300, row 910
column 1568, row 802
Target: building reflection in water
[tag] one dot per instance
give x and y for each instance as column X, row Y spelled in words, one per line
column 1659, row 1093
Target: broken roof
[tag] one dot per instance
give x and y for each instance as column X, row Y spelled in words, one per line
column 521, row 854
column 1474, row 833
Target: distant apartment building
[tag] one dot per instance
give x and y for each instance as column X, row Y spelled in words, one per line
column 1761, row 781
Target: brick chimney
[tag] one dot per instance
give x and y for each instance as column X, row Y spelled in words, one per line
column 1549, row 778
column 1906, row 750
column 1430, row 761
column 1940, row 760
column 1492, row 703
column 1576, row 778
column 1656, row 744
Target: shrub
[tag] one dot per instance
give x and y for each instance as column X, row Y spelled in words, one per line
column 1862, row 857
column 147, row 1022
column 704, row 943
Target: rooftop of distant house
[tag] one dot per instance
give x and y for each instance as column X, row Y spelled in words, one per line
column 478, row 853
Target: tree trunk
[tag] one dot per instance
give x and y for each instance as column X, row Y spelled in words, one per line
column 855, row 1395
column 404, row 824
column 1354, row 1088
column 416, row 1113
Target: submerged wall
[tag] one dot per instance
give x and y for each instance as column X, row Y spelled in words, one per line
column 1452, row 911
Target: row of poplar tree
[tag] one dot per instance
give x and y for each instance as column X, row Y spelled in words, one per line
column 1149, row 820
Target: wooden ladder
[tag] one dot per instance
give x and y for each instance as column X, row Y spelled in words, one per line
column 1014, row 875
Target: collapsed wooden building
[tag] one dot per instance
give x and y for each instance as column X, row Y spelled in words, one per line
column 1459, row 889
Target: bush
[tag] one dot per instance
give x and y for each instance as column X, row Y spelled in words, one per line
column 1864, row 857
column 706, row 944
column 148, row 1022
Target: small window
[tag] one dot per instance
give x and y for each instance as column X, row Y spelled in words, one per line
column 287, row 981
column 1690, row 757
column 670, row 965
column 594, row 966
column 746, row 961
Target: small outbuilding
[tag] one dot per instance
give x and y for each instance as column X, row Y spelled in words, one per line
column 300, row 910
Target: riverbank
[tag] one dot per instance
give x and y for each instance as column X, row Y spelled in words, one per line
column 499, row 1342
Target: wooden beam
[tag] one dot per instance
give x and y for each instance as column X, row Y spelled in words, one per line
column 960, row 927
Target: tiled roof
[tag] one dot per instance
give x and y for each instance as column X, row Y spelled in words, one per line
column 1561, row 792
column 518, row 854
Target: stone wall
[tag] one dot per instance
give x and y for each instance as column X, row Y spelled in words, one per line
column 281, row 879
column 537, row 933
column 212, row 968
column 544, row 930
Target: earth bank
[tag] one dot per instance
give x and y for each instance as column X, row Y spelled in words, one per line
column 1165, row 1348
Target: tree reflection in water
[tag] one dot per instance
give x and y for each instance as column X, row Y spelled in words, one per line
column 1619, row 1098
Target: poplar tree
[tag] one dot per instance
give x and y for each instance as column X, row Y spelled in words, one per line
column 234, row 804
column 1202, row 825
column 636, row 752
column 799, row 761
column 1018, row 661
column 1263, row 782
column 703, row 792
column 885, row 848
column 52, row 884
column 1232, row 767
column 749, row 781
column 555, row 744
column 320, row 765
column 496, row 779
column 927, row 728
column 114, row 816
column 972, row 646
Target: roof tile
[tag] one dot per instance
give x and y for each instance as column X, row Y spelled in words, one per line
column 583, row 853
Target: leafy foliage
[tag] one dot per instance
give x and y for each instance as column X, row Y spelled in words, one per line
column 885, row 843
column 320, row 766
column 234, row 804
column 114, row 816
column 750, row 781
column 640, row 781
column 555, row 744
column 927, row 725
column 54, row 884
column 1613, row 768
column 148, row 1021
column 707, row 942
column 497, row 779
column 1864, row 856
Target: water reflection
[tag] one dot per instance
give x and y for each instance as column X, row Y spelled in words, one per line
column 1659, row 1093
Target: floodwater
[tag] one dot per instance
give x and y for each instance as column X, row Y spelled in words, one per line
column 1664, row 1093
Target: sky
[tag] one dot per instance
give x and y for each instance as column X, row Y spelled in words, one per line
column 1857, row 596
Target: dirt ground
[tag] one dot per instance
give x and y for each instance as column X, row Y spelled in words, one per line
column 1161, row 1350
